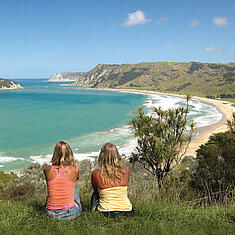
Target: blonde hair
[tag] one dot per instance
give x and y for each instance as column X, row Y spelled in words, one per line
column 63, row 155
column 110, row 163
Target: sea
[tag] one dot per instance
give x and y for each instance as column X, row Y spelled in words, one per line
column 33, row 119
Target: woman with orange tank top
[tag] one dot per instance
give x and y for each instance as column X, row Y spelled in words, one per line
column 110, row 184
column 62, row 201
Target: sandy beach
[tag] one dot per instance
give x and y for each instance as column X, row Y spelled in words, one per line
column 203, row 133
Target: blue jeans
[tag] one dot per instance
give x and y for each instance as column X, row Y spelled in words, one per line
column 67, row 214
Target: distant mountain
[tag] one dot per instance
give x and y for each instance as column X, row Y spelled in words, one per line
column 8, row 84
column 66, row 76
column 195, row 78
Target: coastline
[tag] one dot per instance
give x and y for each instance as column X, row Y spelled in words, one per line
column 11, row 88
column 202, row 133
column 58, row 80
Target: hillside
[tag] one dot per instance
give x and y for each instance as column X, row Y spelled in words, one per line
column 203, row 79
column 66, row 76
column 8, row 84
column 22, row 208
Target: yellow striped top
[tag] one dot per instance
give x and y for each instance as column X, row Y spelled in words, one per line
column 114, row 199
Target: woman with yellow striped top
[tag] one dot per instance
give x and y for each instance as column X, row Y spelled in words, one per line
column 110, row 184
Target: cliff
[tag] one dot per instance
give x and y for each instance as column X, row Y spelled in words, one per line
column 8, row 84
column 203, row 79
column 66, row 76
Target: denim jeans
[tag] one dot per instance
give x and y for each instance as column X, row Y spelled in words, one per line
column 67, row 214
column 95, row 198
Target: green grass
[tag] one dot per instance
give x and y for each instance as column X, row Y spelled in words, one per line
column 197, row 79
column 232, row 100
column 6, row 177
column 151, row 218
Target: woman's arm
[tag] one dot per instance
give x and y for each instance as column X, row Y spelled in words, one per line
column 45, row 171
column 77, row 173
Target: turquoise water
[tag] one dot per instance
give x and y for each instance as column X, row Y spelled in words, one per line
column 35, row 118
column 32, row 120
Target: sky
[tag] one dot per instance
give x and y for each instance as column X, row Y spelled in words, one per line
column 42, row 37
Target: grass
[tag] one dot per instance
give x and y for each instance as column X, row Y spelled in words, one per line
column 172, row 212
column 151, row 218
column 197, row 79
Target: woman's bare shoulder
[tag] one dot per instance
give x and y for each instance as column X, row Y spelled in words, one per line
column 74, row 168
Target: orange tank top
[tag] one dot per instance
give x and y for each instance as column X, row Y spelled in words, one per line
column 60, row 191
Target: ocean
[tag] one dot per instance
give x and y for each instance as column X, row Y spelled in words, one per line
column 35, row 118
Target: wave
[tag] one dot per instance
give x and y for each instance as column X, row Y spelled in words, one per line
column 9, row 159
column 66, row 85
column 201, row 113
column 41, row 159
column 88, row 146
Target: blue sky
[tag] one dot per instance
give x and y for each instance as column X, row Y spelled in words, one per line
column 42, row 37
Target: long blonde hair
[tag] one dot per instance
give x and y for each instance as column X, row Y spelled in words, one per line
column 63, row 155
column 110, row 163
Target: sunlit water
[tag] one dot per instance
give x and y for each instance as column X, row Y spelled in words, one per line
column 35, row 118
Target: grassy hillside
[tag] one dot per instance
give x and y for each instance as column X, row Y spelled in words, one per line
column 151, row 218
column 202, row 79
column 22, row 204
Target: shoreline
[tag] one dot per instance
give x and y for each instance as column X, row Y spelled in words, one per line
column 202, row 133
column 11, row 88
column 58, row 80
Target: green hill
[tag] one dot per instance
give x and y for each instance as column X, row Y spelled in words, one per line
column 203, row 79
column 8, row 84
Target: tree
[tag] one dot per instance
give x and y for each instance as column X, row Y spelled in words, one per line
column 214, row 176
column 231, row 124
column 162, row 140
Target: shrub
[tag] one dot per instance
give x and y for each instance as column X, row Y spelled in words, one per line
column 30, row 184
column 214, row 178
column 162, row 140
column 23, row 192
column 6, row 177
column 194, row 67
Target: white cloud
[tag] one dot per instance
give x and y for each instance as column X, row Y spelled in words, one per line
column 209, row 49
column 137, row 17
column 220, row 21
column 194, row 23
column 169, row 47
column 162, row 20
column 212, row 49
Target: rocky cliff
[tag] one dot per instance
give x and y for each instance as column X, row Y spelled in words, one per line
column 8, row 84
column 205, row 79
column 66, row 76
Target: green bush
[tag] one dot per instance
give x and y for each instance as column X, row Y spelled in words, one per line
column 31, row 184
column 162, row 139
column 6, row 177
column 214, row 177
column 23, row 192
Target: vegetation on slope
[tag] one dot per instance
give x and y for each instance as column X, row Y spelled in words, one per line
column 202, row 79
column 176, row 210
column 151, row 218
column 197, row 197
column 5, row 83
column 180, row 208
